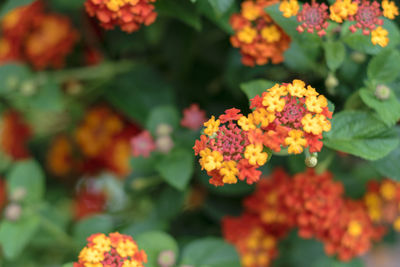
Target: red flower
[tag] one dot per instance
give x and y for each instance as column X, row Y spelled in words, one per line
column 313, row 18
column 142, row 144
column 230, row 115
column 89, row 201
column 3, row 196
column 193, row 117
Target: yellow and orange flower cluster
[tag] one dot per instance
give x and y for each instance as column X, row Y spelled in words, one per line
column 101, row 141
column 311, row 202
column 289, row 115
column 383, row 202
column 127, row 14
column 366, row 14
column 259, row 38
column 42, row 39
column 112, row 250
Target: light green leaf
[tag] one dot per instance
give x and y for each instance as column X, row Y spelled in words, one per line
column 154, row 243
column 210, row 252
column 335, row 53
column 256, row 87
column 177, row 167
column 388, row 110
column 14, row 236
column 361, row 134
column 11, row 4
column 48, row 98
column 162, row 115
column 28, row 175
column 385, row 66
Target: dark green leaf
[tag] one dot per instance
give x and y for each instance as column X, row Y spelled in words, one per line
column 28, row 175
column 177, row 167
column 256, row 87
column 210, row 252
column 14, row 236
column 385, row 66
column 221, row 6
column 154, row 243
column 11, row 4
column 361, row 134
column 388, row 110
column 335, row 53
column 180, row 9
column 389, row 165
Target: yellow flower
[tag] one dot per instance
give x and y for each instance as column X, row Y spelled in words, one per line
column 212, row 126
column 375, row 214
column 296, row 88
column 247, row 35
column 263, row 117
column 210, row 160
column 271, row 33
column 311, row 91
column 248, row 259
column 278, row 90
column 323, row 122
column 289, row 8
column 311, row 124
column 126, row 248
column 388, row 190
column 390, row 9
column 251, row 10
column 372, row 200
column 102, row 242
column 273, row 102
column 379, row 37
column 229, row 171
column 295, row 141
column 254, row 154
column 316, row 103
column 354, row 228
column 396, row 224
column 247, row 123
column 91, row 255
column 131, row 263
column 342, row 9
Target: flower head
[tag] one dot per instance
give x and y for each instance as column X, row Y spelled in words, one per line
column 313, row 18
column 289, row 8
column 390, row 9
column 342, row 9
column 367, row 16
column 193, row 117
column 259, row 38
column 112, row 250
column 127, row 14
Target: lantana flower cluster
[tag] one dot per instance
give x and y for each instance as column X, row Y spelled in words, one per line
column 312, row 203
column 30, row 34
column 290, row 116
column 366, row 16
column 112, row 250
column 101, row 141
column 129, row 15
column 259, row 38
column 383, row 202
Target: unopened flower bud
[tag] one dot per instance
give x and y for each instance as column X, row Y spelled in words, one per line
column 166, row 258
column 164, row 144
column 18, row 194
column 164, row 129
column 358, row 57
column 311, row 162
column 331, row 82
column 28, row 88
column 13, row 212
column 382, row 92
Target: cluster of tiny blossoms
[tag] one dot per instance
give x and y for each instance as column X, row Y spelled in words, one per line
column 289, row 115
column 42, row 39
column 259, row 38
column 115, row 250
column 366, row 15
column 383, row 202
column 312, row 203
column 127, row 14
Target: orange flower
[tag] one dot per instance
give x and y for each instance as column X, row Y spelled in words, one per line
column 14, row 135
column 259, row 38
column 59, row 158
column 128, row 14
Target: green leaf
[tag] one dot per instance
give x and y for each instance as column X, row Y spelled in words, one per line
column 94, row 224
column 14, row 236
column 180, row 9
column 162, row 115
column 48, row 98
column 221, row 6
column 388, row 110
column 28, row 175
column 256, row 87
column 210, row 252
column 12, row 76
column 331, row 262
column 335, row 53
column 177, row 167
column 385, row 66
column 70, row 264
column 389, row 165
column 154, row 243
column 11, row 4
column 361, row 134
